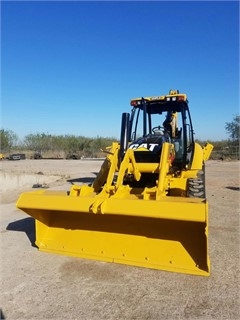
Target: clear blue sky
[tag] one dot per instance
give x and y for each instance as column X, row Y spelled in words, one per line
column 72, row 67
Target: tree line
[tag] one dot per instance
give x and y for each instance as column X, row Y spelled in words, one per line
column 47, row 143
column 90, row 147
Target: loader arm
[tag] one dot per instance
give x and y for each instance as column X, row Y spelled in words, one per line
column 207, row 150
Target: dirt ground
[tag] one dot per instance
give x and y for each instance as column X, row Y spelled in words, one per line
column 38, row 285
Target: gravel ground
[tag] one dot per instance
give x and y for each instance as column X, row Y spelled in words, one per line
column 38, row 285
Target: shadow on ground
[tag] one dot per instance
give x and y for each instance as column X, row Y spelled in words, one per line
column 2, row 315
column 83, row 180
column 26, row 225
column 233, row 188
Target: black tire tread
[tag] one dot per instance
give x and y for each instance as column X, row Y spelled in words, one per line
column 196, row 187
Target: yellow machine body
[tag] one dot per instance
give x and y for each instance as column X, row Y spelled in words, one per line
column 156, row 227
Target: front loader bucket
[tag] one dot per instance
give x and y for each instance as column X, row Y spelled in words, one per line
column 167, row 234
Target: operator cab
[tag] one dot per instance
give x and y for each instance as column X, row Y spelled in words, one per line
column 155, row 120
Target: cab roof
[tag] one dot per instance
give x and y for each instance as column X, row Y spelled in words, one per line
column 173, row 95
column 157, row 104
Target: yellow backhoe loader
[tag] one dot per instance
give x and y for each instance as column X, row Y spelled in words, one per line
column 147, row 206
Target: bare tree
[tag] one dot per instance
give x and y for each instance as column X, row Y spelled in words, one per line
column 233, row 128
column 7, row 139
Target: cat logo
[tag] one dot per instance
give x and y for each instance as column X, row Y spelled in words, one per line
column 143, row 146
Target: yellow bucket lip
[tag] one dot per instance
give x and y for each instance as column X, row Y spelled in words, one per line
column 146, row 264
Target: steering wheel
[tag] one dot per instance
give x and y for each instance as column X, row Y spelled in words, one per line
column 158, row 129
